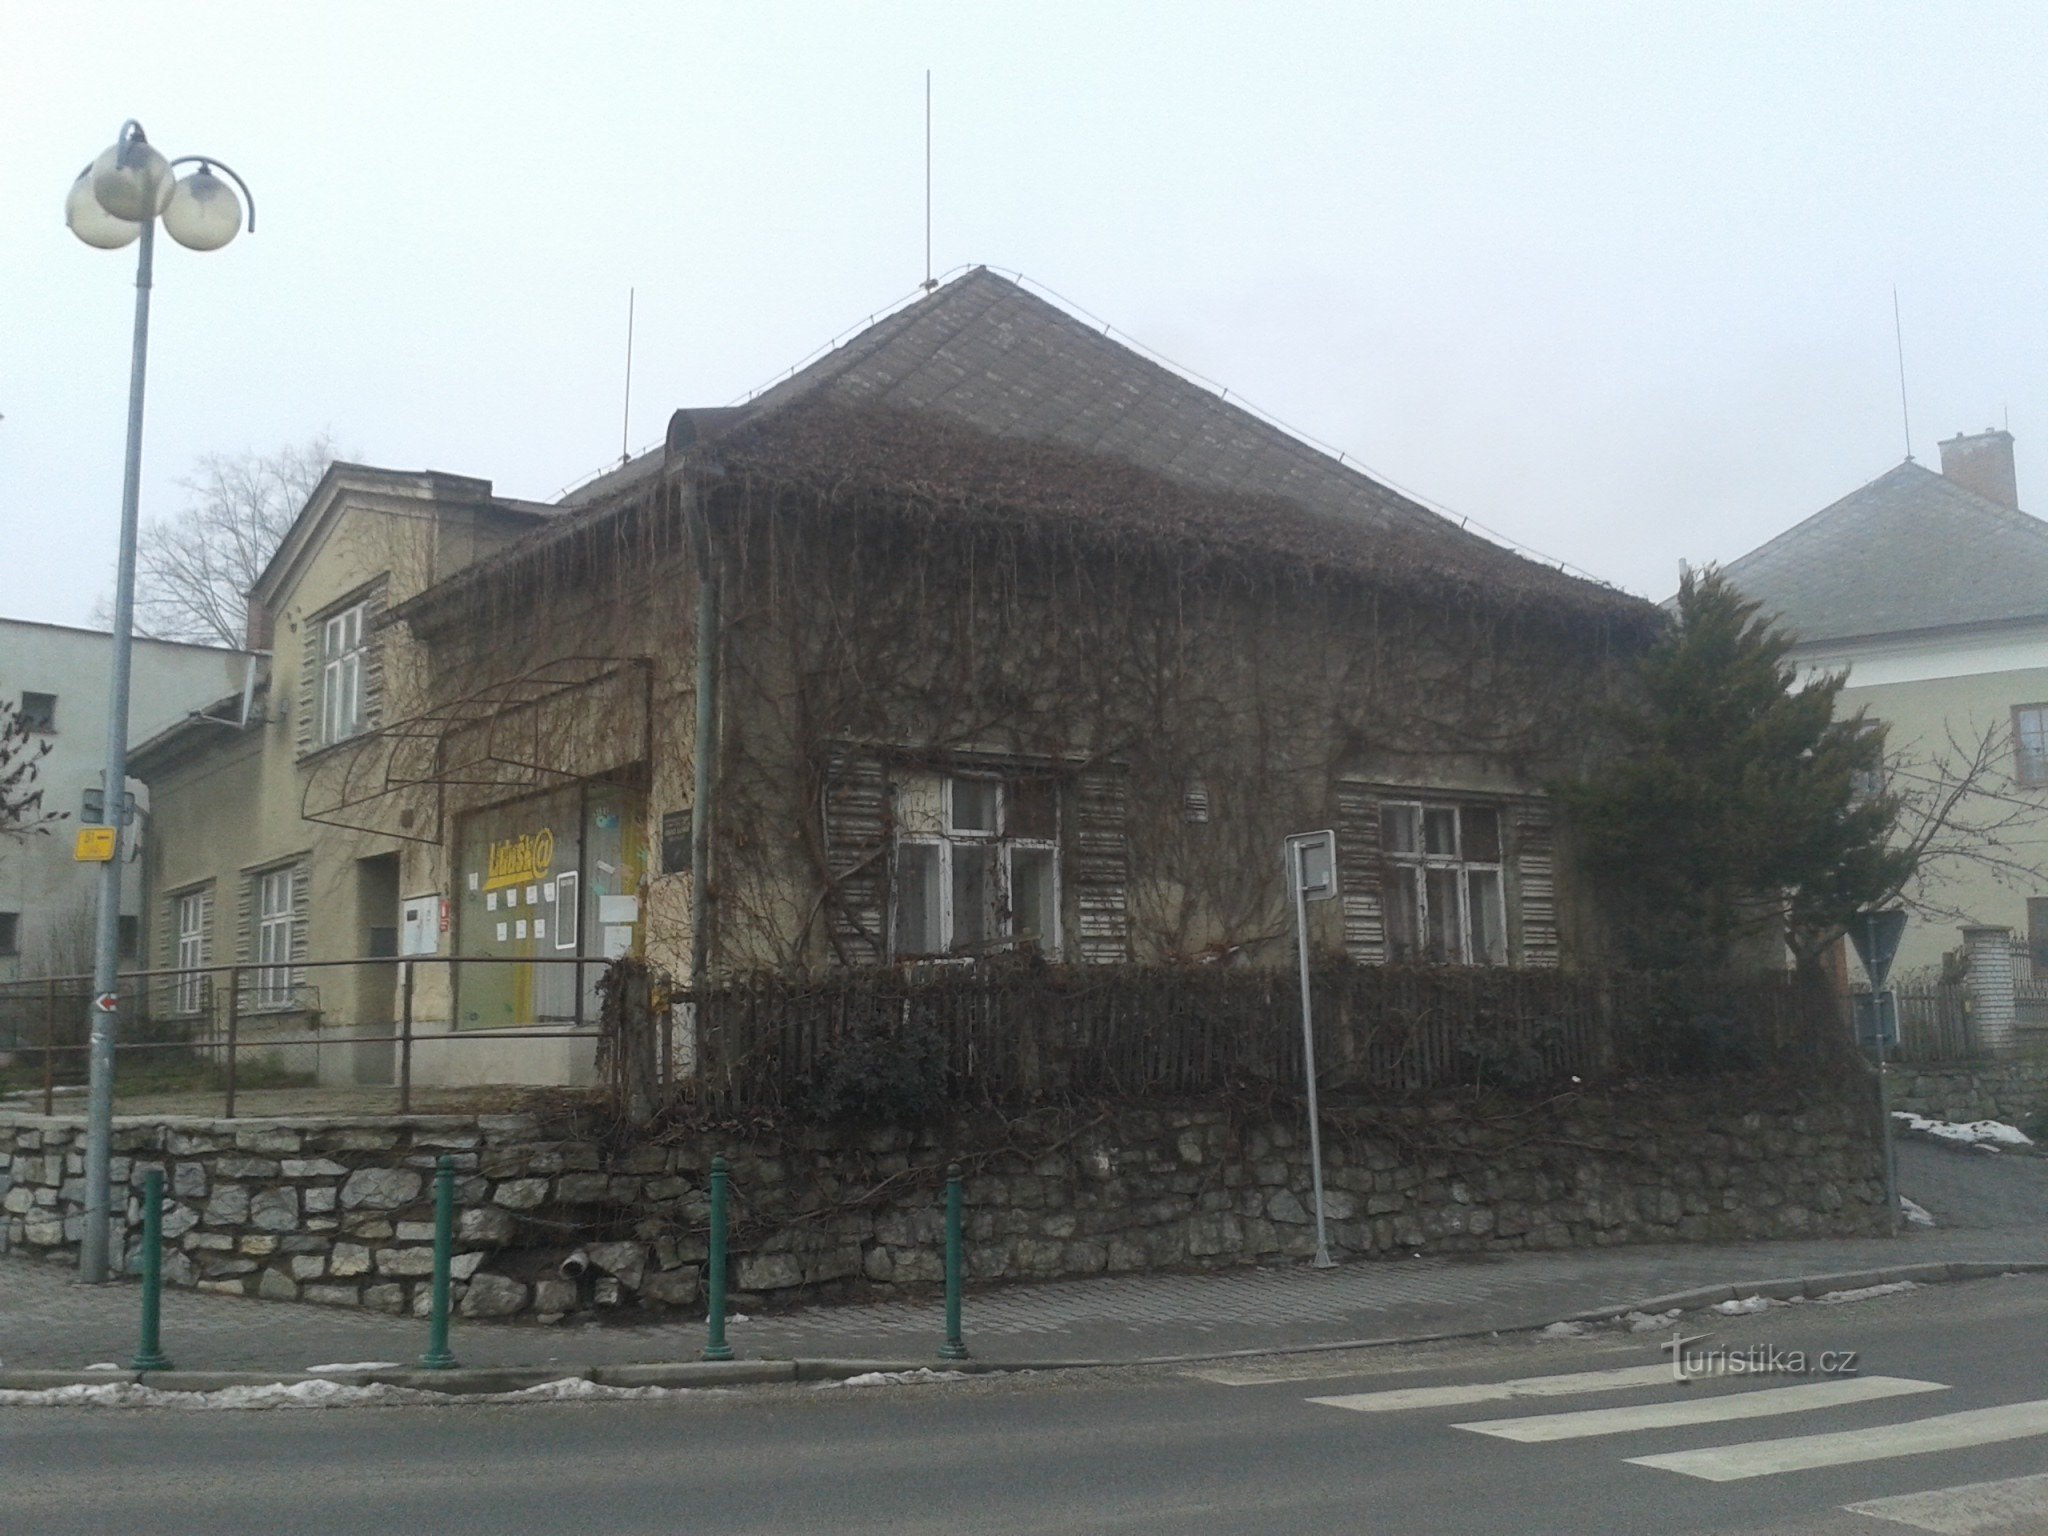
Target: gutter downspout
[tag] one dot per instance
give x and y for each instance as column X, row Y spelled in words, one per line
column 706, row 751
column 682, row 433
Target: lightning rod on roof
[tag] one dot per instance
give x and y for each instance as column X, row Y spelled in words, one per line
column 1899, row 337
column 930, row 282
column 626, row 421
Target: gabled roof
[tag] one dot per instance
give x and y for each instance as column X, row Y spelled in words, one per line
column 323, row 504
column 984, row 360
column 1910, row 551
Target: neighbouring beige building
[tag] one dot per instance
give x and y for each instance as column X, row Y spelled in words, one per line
column 1931, row 591
column 236, row 871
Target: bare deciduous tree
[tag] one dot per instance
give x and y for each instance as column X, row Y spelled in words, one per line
column 22, row 750
column 1966, row 819
column 194, row 570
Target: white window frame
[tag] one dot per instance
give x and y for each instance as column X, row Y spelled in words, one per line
column 1413, row 867
column 191, row 949
column 276, row 929
column 2030, row 761
column 341, row 675
column 952, row 836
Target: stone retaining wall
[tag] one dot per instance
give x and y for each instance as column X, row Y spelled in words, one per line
column 339, row 1211
column 2012, row 1091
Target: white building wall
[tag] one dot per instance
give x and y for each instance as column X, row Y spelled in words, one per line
column 38, row 878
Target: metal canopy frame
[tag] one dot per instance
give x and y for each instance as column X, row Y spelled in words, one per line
column 371, row 782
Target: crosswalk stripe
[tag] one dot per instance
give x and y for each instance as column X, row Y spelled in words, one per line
column 1915, row 1437
column 1714, row 1409
column 1400, row 1399
column 1970, row 1509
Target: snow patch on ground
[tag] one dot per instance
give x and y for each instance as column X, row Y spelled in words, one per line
column 1864, row 1293
column 923, row 1373
column 1915, row 1213
column 1976, row 1133
column 327, row 1394
column 1748, row 1304
column 1562, row 1331
column 355, row 1365
column 1650, row 1322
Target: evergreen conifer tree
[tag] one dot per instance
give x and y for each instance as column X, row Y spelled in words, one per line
column 1735, row 808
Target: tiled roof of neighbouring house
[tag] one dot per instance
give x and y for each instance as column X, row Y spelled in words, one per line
column 1910, row 551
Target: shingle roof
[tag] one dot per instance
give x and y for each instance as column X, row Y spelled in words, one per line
column 993, row 361
column 990, row 353
column 1909, row 551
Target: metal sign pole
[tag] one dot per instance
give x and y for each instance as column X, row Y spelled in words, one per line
column 1879, row 944
column 1298, row 882
column 1876, row 970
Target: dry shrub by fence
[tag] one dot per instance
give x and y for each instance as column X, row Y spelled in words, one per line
column 1035, row 1034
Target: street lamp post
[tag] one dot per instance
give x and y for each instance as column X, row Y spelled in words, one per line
column 117, row 201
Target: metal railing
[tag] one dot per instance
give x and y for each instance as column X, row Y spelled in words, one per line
column 227, row 1029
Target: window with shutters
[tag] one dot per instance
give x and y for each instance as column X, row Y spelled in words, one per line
column 192, row 912
column 276, row 919
column 342, row 711
column 976, row 865
column 1442, row 882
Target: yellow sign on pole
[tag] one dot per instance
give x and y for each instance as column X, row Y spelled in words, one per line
column 95, row 845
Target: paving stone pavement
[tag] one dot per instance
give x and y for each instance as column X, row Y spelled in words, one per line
column 48, row 1321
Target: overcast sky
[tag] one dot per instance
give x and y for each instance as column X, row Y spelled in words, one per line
column 1613, row 281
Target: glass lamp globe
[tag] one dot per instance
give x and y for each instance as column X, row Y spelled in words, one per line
column 131, row 180
column 203, row 214
column 92, row 223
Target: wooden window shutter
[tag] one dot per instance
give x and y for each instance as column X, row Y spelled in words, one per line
column 1358, row 874
column 1535, row 901
column 373, row 658
column 304, row 727
column 857, row 856
column 1099, row 865
column 245, row 918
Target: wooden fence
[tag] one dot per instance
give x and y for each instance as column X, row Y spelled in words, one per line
column 1934, row 1024
column 1037, row 1033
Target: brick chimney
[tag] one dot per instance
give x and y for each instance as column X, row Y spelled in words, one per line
column 1983, row 464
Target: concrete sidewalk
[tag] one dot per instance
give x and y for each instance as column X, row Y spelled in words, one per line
column 48, row 1322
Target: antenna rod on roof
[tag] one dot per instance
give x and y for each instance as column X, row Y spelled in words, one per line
column 1899, row 336
column 929, row 281
column 626, row 421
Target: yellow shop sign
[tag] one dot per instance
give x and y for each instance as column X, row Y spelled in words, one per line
column 520, row 860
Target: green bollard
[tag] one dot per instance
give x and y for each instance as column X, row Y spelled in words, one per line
column 715, row 1347
column 149, row 1354
column 438, row 1357
column 953, row 1349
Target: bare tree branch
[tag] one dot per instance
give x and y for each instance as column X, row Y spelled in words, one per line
column 194, row 570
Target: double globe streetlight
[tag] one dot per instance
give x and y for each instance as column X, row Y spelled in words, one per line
column 116, row 201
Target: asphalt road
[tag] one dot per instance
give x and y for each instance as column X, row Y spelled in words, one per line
column 1149, row 1450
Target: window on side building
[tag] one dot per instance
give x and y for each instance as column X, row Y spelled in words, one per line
column 1442, row 886
column 38, row 712
column 2030, row 743
column 976, row 865
column 10, row 933
column 342, row 712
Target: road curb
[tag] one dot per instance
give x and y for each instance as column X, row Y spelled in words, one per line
column 700, row 1374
